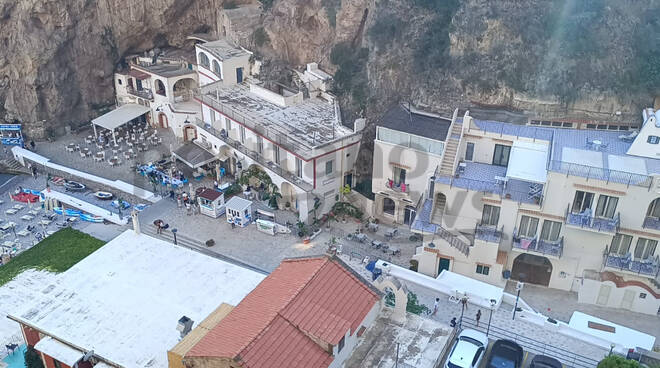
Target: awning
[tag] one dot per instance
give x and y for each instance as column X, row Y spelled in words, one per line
column 120, row 116
column 528, row 162
column 138, row 74
column 193, row 155
column 59, row 351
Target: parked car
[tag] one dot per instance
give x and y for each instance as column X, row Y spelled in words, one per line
column 544, row 361
column 468, row 350
column 505, row 354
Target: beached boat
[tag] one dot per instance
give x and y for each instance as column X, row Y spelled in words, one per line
column 103, row 195
column 25, row 197
column 124, row 204
column 68, row 211
column 56, row 180
column 74, row 186
column 90, row 218
column 140, row 207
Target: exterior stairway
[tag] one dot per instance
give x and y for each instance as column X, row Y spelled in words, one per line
column 11, row 166
column 451, row 149
column 438, row 209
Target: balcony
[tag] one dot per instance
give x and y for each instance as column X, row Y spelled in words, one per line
column 398, row 188
column 651, row 223
column 142, row 93
column 535, row 245
column 487, row 233
column 257, row 157
column 585, row 220
column 647, row 267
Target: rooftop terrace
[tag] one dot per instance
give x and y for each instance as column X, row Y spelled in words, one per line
column 222, row 49
column 164, row 70
column 310, row 123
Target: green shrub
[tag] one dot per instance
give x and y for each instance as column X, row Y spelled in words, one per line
column 432, row 47
column 386, row 29
column 331, row 8
column 616, row 361
column 260, row 37
column 33, row 358
column 350, row 79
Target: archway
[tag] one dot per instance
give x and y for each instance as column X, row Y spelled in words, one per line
column 394, row 292
column 260, row 182
column 216, row 69
column 288, row 196
column 203, row 59
column 438, row 208
column 388, row 206
column 162, row 120
column 182, row 89
column 160, row 88
column 532, row 269
column 189, row 133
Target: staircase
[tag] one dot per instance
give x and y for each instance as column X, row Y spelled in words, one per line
column 451, row 149
column 438, row 209
column 11, row 166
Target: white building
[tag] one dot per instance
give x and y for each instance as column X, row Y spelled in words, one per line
column 294, row 134
column 572, row 209
column 165, row 83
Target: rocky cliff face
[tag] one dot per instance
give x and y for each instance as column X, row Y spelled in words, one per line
column 57, row 57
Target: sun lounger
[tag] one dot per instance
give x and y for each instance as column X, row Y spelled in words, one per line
column 27, row 218
column 11, row 211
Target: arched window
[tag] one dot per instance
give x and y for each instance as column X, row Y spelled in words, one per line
column 654, row 209
column 216, row 68
column 203, row 59
column 388, row 206
column 160, row 88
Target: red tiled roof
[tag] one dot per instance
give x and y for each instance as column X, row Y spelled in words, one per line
column 314, row 296
column 138, row 74
column 210, row 194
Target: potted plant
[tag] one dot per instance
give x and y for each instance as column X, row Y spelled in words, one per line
column 210, row 243
column 287, row 205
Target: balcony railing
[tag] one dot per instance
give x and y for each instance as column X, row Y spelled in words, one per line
column 647, row 267
column 651, row 223
column 598, row 173
column 531, row 197
column 401, row 187
column 259, row 158
column 585, row 220
column 536, row 245
column 142, row 93
column 488, row 233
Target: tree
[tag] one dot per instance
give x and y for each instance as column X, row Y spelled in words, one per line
column 33, row 358
column 616, row 361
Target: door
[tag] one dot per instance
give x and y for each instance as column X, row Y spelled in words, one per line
column 603, row 294
column 138, row 84
column 191, row 133
column 627, row 301
column 443, row 265
column 348, row 180
column 239, row 75
column 409, row 215
column 162, row 120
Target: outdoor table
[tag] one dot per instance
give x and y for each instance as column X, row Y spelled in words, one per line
column 71, row 147
column 99, row 156
column 113, row 161
column 86, row 151
column 143, row 147
column 391, row 233
column 89, row 139
column 376, row 244
column 127, row 155
column 27, row 218
column 361, row 237
column 395, row 250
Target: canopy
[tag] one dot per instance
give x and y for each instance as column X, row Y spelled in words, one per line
column 59, row 351
column 193, row 155
column 120, row 116
column 528, row 161
column 238, row 204
column 622, row 336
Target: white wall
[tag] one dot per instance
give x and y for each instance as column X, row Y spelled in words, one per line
column 351, row 340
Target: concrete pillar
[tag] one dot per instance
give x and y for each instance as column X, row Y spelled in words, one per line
column 95, row 134
column 136, row 221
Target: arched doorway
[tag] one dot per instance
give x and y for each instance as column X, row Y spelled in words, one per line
column 162, row 120
column 288, row 196
column 388, row 206
column 182, row 89
column 532, row 269
column 160, row 88
column 438, row 208
column 189, row 133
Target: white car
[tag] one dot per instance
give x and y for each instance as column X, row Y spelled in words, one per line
column 468, row 350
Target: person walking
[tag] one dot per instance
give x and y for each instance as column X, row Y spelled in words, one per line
column 452, row 323
column 478, row 316
column 435, row 306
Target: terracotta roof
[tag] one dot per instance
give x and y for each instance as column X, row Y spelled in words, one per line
column 316, row 296
column 210, row 194
column 138, row 74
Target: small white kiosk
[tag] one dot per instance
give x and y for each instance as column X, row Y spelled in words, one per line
column 239, row 211
column 211, row 202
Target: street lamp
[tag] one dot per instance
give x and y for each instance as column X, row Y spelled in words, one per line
column 492, row 306
column 174, row 232
column 519, row 287
column 464, row 300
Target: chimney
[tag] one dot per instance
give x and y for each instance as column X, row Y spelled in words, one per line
column 184, row 326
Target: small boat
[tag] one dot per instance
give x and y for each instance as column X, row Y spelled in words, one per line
column 68, row 211
column 74, row 186
column 140, row 207
column 103, row 195
column 124, row 204
column 25, row 197
column 56, row 180
column 90, row 218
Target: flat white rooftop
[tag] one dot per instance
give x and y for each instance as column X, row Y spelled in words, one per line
column 312, row 122
column 124, row 300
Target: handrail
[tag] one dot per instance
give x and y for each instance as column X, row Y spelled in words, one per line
column 603, row 174
column 460, row 139
column 491, row 187
column 538, row 245
column 588, row 220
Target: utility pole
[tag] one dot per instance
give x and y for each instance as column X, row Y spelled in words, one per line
column 492, row 306
column 396, row 362
column 519, row 287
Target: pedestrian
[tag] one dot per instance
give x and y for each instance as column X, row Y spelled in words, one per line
column 435, row 306
column 452, row 323
column 32, row 145
column 478, row 316
column 5, row 149
column 215, row 185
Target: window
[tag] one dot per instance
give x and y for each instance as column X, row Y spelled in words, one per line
column 228, row 124
column 469, row 151
column 328, row 167
column 388, row 206
column 645, row 248
column 612, row 127
column 653, row 139
column 528, row 226
column 591, row 126
column 483, row 269
column 620, row 244
column 119, row 81
column 556, row 123
column 276, row 154
column 501, row 155
column 654, row 209
column 490, row 215
column 340, row 345
column 299, row 167
column 399, row 176
column 602, row 126
column 567, row 125
column 550, row 230
column 260, row 144
column 216, row 68
column 242, row 131
column 606, row 206
column 212, row 115
column 203, row 59
column 160, row 87
column 582, row 201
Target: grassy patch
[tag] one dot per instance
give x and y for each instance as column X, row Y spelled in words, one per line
column 57, row 253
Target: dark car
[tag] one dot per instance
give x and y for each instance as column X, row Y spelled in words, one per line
column 542, row 361
column 505, row 354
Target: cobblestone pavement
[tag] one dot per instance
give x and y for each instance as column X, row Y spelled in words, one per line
column 560, row 305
